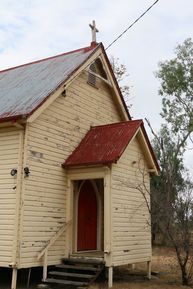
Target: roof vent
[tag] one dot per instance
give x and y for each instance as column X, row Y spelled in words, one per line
column 96, row 70
column 92, row 74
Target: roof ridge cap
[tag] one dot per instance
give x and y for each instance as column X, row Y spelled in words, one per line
column 118, row 123
column 85, row 49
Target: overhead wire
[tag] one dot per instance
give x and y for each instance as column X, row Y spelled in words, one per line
column 132, row 24
column 117, row 38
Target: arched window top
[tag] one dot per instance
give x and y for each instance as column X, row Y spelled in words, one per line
column 92, row 67
column 96, row 69
column 92, row 75
column 100, row 69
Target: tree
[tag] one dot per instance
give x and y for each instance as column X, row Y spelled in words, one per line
column 176, row 78
column 170, row 182
column 172, row 200
column 121, row 74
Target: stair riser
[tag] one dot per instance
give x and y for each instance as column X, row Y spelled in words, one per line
column 65, row 282
column 78, row 268
column 68, row 274
column 74, row 260
column 75, row 272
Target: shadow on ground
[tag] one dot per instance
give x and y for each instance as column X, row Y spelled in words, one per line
column 35, row 278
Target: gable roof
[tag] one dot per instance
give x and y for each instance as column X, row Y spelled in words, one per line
column 24, row 88
column 105, row 144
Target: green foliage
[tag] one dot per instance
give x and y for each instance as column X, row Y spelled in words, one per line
column 170, row 143
column 172, row 200
column 176, row 77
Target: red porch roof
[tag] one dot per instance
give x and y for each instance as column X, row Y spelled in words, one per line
column 105, row 144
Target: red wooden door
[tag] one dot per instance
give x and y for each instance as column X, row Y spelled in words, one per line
column 87, row 218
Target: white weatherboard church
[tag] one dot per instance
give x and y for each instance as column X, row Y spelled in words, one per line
column 74, row 169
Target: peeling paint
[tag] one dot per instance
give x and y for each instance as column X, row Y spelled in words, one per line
column 36, row 154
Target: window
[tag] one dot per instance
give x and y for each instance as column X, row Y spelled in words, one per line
column 92, row 74
column 96, row 70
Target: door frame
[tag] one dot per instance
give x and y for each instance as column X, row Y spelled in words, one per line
column 99, row 215
column 99, row 172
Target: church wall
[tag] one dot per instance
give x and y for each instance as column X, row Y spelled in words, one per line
column 11, row 145
column 49, row 141
column 131, row 226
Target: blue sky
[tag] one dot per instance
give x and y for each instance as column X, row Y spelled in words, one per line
column 35, row 29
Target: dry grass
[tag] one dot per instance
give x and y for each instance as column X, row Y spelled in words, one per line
column 163, row 263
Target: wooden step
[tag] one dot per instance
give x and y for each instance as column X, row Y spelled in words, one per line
column 77, row 260
column 68, row 274
column 76, row 272
column 66, row 282
column 86, row 268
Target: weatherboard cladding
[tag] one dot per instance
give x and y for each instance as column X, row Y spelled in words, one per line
column 103, row 144
column 24, row 88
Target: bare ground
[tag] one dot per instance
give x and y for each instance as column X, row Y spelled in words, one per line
column 166, row 275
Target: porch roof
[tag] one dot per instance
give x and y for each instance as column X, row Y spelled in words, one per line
column 106, row 143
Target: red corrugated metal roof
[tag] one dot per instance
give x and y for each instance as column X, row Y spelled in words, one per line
column 103, row 144
column 24, row 88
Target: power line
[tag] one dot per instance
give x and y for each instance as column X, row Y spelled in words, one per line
column 68, row 82
column 131, row 25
